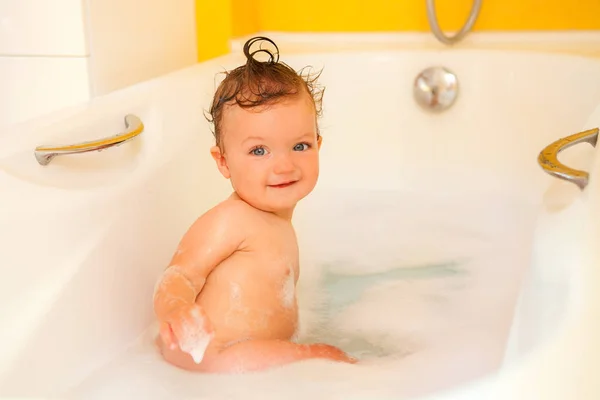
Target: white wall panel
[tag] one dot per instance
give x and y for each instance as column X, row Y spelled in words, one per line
column 42, row 27
column 33, row 86
column 132, row 41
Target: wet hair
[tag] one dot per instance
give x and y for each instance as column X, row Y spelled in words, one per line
column 261, row 83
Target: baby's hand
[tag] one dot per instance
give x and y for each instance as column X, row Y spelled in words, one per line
column 188, row 327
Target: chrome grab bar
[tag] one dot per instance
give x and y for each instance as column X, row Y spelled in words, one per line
column 548, row 157
column 45, row 154
column 437, row 31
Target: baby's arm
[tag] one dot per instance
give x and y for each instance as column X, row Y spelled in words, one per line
column 210, row 240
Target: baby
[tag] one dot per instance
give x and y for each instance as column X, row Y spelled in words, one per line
column 226, row 302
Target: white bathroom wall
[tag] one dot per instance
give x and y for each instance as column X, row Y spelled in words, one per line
column 135, row 40
column 43, row 57
column 59, row 53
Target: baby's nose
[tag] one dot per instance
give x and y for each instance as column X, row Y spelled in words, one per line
column 283, row 165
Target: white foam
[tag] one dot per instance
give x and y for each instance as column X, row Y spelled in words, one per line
column 235, row 295
column 198, row 348
column 195, row 339
column 172, row 272
column 288, row 291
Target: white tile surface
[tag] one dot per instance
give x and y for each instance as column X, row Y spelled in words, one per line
column 42, row 27
column 131, row 41
column 33, row 86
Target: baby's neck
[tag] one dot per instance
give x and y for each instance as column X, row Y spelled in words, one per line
column 285, row 214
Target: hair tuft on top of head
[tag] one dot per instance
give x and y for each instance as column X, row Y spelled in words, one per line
column 261, row 83
column 273, row 56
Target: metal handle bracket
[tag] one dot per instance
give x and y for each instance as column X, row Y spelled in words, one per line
column 45, row 154
column 548, row 157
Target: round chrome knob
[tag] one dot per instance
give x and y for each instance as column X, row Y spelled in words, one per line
column 435, row 88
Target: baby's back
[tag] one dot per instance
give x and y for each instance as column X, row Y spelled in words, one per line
column 251, row 294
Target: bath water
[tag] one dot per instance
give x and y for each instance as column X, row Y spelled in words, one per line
column 420, row 287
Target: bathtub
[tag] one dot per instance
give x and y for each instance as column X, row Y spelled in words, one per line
column 473, row 274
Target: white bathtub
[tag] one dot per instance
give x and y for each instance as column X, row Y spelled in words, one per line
column 83, row 240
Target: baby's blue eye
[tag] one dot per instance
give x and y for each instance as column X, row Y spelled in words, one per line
column 301, row 147
column 259, row 151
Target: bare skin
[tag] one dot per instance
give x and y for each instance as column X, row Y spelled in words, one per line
column 232, row 280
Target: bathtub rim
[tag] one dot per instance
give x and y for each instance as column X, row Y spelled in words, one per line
column 585, row 42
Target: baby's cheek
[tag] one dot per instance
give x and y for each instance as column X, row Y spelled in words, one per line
column 246, row 177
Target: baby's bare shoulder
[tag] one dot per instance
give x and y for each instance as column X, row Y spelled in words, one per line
column 231, row 210
column 229, row 215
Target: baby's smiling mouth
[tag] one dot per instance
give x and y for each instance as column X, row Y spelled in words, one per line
column 283, row 185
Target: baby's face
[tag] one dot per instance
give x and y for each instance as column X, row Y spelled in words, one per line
column 271, row 154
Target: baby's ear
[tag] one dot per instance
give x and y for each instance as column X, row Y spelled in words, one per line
column 219, row 157
column 319, row 141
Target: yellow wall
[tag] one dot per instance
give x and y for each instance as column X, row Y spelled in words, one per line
column 213, row 27
column 217, row 21
column 410, row 15
column 245, row 17
column 221, row 20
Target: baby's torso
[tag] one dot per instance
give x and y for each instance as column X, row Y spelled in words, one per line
column 251, row 295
